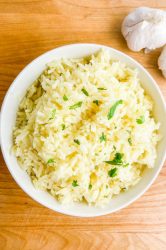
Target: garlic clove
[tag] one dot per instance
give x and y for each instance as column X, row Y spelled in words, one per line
column 162, row 62
column 145, row 28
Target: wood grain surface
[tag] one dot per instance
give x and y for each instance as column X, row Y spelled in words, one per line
column 29, row 28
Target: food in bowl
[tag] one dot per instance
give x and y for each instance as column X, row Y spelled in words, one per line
column 85, row 129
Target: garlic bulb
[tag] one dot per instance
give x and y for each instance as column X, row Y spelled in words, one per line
column 145, row 28
column 162, row 61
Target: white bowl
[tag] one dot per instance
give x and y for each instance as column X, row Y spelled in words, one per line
column 8, row 115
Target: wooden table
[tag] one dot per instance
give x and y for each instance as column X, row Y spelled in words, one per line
column 28, row 29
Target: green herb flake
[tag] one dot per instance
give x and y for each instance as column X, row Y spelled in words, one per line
column 85, row 92
column 90, row 186
column 141, row 120
column 130, row 141
column 117, row 160
column 63, row 126
column 126, row 165
column 114, row 148
column 76, row 105
column 50, row 161
column 77, row 141
column 52, row 114
column 74, row 183
column 113, row 108
column 101, row 88
column 96, row 102
column 65, row 98
column 102, row 137
column 112, row 172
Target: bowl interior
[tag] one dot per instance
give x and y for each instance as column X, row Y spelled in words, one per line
column 8, row 115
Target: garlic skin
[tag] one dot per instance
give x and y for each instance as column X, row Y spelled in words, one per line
column 145, row 28
column 162, row 61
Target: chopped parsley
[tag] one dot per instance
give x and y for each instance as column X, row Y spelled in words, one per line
column 85, row 92
column 96, row 102
column 63, row 126
column 90, row 186
column 130, row 141
column 50, row 161
column 65, row 98
column 74, row 183
column 141, row 119
column 102, row 137
column 113, row 108
column 52, row 114
column 114, row 148
column 126, row 165
column 76, row 105
column 77, row 141
column 112, row 172
column 101, row 89
column 117, row 160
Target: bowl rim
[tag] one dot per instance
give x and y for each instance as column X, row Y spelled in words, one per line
column 81, row 215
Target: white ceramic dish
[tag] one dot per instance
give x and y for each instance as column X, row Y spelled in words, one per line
column 8, row 114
